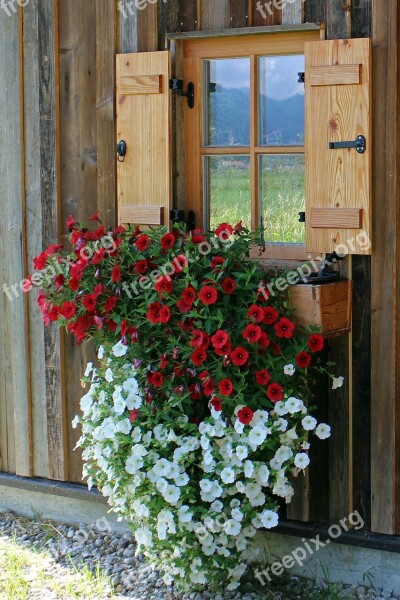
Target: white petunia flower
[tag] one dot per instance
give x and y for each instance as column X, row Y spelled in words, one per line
column 301, row 460
column 228, row 475
column 123, row 426
column 206, row 485
column 89, row 369
column 217, row 506
column 143, row 538
column 75, row 422
column 262, row 474
column 289, row 370
column 232, row 527
column 269, row 519
column 171, row 494
column 119, row 349
column 280, row 408
column 337, row 382
column 323, row 431
column 257, row 436
column 100, row 353
column 294, row 405
column 109, row 375
column 131, row 386
column 237, row 514
column 162, row 467
column 248, row 468
column 309, row 423
column 119, row 405
column 184, row 514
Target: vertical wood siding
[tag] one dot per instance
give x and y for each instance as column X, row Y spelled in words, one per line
column 68, row 166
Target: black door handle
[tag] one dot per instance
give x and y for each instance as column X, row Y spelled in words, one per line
column 360, row 144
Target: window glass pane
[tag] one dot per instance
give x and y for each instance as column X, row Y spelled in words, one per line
column 226, row 102
column 227, row 197
column 281, row 101
column 282, row 197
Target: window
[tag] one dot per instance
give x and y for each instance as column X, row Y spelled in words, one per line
column 245, row 136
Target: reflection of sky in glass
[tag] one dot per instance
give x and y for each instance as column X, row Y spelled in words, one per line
column 279, row 76
column 232, row 73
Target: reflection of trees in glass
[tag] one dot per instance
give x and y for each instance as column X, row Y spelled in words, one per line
column 229, row 117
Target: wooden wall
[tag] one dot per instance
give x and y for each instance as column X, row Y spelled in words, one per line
column 58, row 110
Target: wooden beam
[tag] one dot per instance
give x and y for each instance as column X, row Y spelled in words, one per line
column 127, row 27
column 385, row 381
column 266, row 13
column 147, row 28
column 214, row 14
column 14, row 399
column 341, row 218
column 106, row 42
column 335, row 75
column 293, row 12
column 239, row 13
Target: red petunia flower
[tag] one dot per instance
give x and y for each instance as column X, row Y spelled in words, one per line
column 315, row 342
column 95, row 216
column 198, row 357
column 264, row 341
column 112, row 325
column 68, row 310
column 165, row 314
column 197, row 236
column 208, row 386
column 133, row 415
column 195, row 391
column 116, row 274
column 163, row 285
column 228, row 285
column 189, row 295
column 275, row 392
column 255, row 313
column 284, row 328
column 252, row 333
column 110, row 303
column 263, row 377
column 141, row 267
column 198, row 338
column 168, row 241
column 70, row 222
column 225, row 387
column 224, row 350
column 179, row 263
column 217, row 261
column 270, row 315
column 142, row 242
column 276, row 349
column 153, row 314
column 89, row 302
column 54, row 313
column 239, row 227
column 216, row 404
column 183, row 307
column 157, row 379
column 245, row 415
column 208, row 295
column 40, row 261
column 59, row 282
column 239, row 356
column 303, row 359
column 220, row 338
column 179, row 370
column 224, row 231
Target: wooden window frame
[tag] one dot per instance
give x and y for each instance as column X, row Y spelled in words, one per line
column 269, row 42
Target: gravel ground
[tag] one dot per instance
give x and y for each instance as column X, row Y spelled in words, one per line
column 129, row 575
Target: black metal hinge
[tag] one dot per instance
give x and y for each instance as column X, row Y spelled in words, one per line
column 176, row 85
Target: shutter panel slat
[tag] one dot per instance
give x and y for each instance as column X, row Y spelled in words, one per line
column 338, row 180
column 144, row 122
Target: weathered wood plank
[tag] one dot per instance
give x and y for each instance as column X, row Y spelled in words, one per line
column 127, row 29
column 215, row 14
column 266, row 12
column 361, row 22
column 168, row 21
column 293, row 12
column 361, row 334
column 239, row 13
column 189, row 13
column 385, row 273
column 147, row 28
column 13, row 356
column 338, row 19
column 78, row 152
column 106, row 34
column 315, row 11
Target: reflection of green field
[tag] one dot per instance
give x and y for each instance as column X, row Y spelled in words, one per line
column 282, row 196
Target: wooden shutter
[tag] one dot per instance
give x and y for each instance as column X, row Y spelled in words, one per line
column 144, row 122
column 338, row 181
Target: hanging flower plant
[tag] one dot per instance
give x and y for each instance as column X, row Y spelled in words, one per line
column 197, row 416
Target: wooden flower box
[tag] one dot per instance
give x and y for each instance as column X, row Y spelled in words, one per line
column 327, row 306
